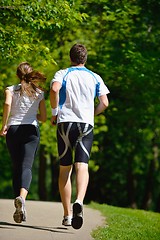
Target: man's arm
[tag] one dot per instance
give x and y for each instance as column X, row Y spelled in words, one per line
column 102, row 105
column 54, row 94
column 54, row 100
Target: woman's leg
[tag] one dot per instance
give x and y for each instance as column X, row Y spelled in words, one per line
column 22, row 142
column 28, row 152
column 14, row 148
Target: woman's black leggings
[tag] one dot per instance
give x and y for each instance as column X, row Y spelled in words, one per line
column 22, row 142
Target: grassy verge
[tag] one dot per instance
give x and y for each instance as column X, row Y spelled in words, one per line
column 127, row 224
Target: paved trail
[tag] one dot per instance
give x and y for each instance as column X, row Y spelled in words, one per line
column 44, row 222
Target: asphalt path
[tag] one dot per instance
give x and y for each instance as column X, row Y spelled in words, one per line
column 44, row 222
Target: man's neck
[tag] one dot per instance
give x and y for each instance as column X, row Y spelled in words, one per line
column 77, row 65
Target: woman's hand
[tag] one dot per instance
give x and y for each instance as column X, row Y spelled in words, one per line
column 3, row 131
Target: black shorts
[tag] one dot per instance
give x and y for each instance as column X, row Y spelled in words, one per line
column 74, row 139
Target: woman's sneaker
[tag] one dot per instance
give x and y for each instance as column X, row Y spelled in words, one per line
column 77, row 219
column 67, row 221
column 20, row 213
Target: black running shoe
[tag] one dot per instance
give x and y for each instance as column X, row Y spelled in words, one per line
column 77, row 219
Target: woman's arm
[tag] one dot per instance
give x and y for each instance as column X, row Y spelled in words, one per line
column 42, row 115
column 6, row 112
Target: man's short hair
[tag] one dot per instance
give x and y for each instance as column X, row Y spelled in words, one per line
column 78, row 54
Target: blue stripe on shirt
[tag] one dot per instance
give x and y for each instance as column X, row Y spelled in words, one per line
column 63, row 88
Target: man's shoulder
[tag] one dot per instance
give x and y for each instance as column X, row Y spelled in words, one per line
column 59, row 76
column 62, row 70
column 94, row 74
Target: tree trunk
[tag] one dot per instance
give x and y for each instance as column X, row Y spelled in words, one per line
column 148, row 190
column 131, row 186
column 147, row 200
column 55, row 175
column 158, row 204
column 42, row 175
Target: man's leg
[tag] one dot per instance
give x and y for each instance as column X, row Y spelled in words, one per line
column 82, row 178
column 65, row 188
column 82, row 154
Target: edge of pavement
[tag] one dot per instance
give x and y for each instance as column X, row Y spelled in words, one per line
column 44, row 221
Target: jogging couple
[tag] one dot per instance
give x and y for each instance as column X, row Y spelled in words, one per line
column 72, row 94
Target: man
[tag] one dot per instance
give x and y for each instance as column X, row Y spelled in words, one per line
column 72, row 96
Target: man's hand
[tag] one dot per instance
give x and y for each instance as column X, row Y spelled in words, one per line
column 54, row 120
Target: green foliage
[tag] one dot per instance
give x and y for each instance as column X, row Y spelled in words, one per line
column 5, row 171
column 30, row 27
column 122, row 38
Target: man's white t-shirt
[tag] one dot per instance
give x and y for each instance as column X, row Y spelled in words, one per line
column 79, row 88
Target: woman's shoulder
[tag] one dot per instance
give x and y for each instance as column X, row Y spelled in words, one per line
column 39, row 94
column 39, row 91
column 13, row 88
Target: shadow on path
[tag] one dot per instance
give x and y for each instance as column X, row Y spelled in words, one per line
column 6, row 225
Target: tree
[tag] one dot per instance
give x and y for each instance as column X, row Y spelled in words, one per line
column 122, row 38
column 125, row 35
column 30, row 27
column 29, row 31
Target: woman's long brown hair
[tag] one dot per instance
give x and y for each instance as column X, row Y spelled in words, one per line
column 31, row 80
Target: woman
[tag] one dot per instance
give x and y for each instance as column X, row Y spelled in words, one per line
column 24, row 106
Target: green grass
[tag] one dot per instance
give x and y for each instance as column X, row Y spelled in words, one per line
column 127, row 224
